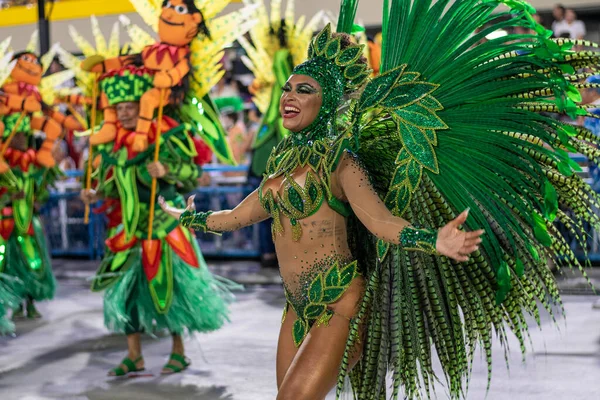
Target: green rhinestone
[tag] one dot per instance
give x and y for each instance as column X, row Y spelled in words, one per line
column 296, row 199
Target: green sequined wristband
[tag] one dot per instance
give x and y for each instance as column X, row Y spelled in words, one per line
column 420, row 239
column 194, row 220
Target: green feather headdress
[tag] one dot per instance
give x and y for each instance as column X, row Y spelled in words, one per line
column 338, row 71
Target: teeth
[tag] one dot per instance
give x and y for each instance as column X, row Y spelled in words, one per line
column 292, row 109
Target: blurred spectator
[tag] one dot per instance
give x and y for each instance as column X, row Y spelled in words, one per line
column 14, row 3
column 226, row 87
column 253, row 119
column 538, row 18
column 558, row 13
column 569, row 25
column 592, row 96
column 82, row 146
column 61, row 155
column 231, row 109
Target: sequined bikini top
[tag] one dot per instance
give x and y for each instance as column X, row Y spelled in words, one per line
column 297, row 202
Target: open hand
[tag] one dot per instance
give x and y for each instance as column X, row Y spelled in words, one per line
column 174, row 211
column 457, row 244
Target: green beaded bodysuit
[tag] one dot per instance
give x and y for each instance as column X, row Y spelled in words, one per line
column 453, row 121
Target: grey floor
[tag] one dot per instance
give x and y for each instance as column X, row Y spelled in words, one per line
column 67, row 353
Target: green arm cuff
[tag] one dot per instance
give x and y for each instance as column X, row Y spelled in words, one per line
column 196, row 221
column 419, row 239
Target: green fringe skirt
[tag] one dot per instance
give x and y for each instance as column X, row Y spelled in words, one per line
column 11, row 292
column 27, row 260
column 199, row 300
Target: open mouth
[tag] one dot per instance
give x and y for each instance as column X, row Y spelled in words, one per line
column 170, row 23
column 290, row 111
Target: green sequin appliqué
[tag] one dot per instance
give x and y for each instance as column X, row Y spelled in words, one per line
column 412, row 238
column 311, row 300
column 297, row 202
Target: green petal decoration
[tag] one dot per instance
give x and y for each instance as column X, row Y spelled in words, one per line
column 405, row 94
column 420, row 116
column 315, row 292
column 332, row 294
column 541, row 230
column 416, row 143
column 161, row 286
column 333, row 48
column 202, row 114
column 314, row 311
column 379, row 88
column 382, row 249
column 128, row 193
column 299, row 331
column 550, row 202
column 333, row 277
column 503, row 280
column 520, row 268
column 23, row 208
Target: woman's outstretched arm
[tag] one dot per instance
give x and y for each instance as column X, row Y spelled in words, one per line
column 247, row 213
column 372, row 212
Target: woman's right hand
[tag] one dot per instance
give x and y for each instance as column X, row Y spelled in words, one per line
column 89, row 196
column 176, row 212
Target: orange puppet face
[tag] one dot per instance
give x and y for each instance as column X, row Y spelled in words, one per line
column 178, row 23
column 28, row 69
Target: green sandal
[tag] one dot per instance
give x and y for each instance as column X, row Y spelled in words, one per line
column 174, row 368
column 131, row 367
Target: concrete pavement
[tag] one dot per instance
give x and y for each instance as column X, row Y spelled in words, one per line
column 66, row 355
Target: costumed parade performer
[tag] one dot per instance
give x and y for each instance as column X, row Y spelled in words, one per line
column 26, row 256
column 372, row 169
column 153, row 272
column 11, row 288
column 278, row 44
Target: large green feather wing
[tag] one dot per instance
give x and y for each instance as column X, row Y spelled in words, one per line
column 458, row 121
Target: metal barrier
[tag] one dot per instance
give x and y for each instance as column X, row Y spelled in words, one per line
column 62, row 217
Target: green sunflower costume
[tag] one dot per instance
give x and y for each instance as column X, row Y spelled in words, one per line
column 160, row 282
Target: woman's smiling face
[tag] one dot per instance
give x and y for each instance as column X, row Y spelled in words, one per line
column 300, row 102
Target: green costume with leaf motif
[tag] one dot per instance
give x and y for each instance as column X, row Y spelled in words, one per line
column 160, row 282
column 25, row 266
column 452, row 122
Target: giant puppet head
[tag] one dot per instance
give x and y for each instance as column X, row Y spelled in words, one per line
column 28, row 68
column 180, row 22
